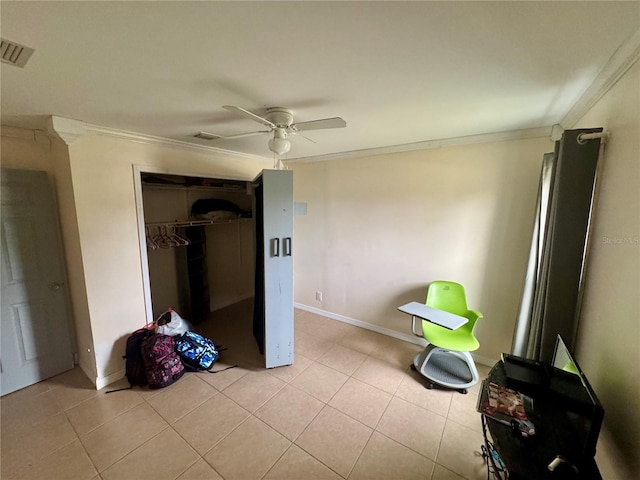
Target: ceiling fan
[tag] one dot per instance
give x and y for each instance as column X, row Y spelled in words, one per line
column 280, row 123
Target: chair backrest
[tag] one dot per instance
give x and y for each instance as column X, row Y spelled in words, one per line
column 447, row 296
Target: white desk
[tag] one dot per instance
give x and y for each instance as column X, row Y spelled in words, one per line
column 433, row 315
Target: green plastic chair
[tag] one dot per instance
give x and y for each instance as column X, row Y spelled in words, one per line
column 446, row 360
column 450, row 297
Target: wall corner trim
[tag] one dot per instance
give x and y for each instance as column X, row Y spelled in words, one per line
column 67, row 129
column 621, row 61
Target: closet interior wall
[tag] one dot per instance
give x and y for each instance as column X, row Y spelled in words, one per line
column 230, row 245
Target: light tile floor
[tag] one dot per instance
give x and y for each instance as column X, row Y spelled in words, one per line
column 349, row 408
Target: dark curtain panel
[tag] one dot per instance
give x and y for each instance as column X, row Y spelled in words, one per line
column 550, row 302
column 198, row 273
column 258, row 307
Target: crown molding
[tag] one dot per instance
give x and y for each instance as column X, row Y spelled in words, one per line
column 622, row 60
column 431, row 144
column 70, row 130
column 67, row 129
column 168, row 142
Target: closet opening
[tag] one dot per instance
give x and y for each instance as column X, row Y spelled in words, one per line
column 199, row 244
column 220, row 253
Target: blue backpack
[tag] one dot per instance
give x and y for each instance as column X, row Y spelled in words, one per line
column 197, row 352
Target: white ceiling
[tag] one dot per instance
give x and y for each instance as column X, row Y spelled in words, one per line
column 397, row 72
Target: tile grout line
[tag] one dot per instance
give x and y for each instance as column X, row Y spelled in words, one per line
column 200, row 457
column 111, row 419
column 84, row 448
column 217, row 392
column 293, row 442
column 170, row 425
column 326, row 404
column 374, row 429
column 316, row 458
column 282, row 454
column 231, row 431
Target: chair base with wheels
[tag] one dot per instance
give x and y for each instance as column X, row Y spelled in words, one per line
column 450, row 369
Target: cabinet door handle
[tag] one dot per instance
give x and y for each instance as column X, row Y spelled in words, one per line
column 287, row 247
column 275, row 247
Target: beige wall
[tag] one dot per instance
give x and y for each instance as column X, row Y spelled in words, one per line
column 102, row 177
column 608, row 347
column 379, row 229
column 26, row 150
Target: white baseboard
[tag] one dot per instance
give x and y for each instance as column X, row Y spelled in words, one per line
column 102, row 382
column 359, row 323
column 384, row 331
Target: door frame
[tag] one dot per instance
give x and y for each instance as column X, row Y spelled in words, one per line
column 137, row 172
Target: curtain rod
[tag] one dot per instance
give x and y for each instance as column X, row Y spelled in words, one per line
column 584, row 137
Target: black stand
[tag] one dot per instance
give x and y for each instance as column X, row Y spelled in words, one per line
column 552, row 453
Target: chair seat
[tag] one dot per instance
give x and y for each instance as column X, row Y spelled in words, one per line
column 460, row 340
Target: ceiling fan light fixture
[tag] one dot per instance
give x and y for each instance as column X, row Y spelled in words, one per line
column 279, row 146
column 280, row 123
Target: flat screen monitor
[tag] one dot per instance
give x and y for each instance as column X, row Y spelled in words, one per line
column 570, row 384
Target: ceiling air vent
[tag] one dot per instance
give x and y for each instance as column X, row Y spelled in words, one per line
column 14, row 53
column 207, row 136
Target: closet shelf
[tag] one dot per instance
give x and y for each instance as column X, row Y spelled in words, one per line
column 193, row 223
column 198, row 188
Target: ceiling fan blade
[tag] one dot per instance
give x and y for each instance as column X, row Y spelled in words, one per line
column 335, row 122
column 215, row 136
column 294, row 132
column 242, row 135
column 249, row 115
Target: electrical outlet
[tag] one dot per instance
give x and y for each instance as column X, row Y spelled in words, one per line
column 319, row 296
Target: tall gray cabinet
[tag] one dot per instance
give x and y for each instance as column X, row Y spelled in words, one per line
column 273, row 311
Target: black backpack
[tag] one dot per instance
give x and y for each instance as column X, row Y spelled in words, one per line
column 134, row 368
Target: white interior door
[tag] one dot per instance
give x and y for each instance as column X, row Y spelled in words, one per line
column 277, row 244
column 35, row 341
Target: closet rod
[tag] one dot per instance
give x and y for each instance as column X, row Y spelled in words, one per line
column 192, row 223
